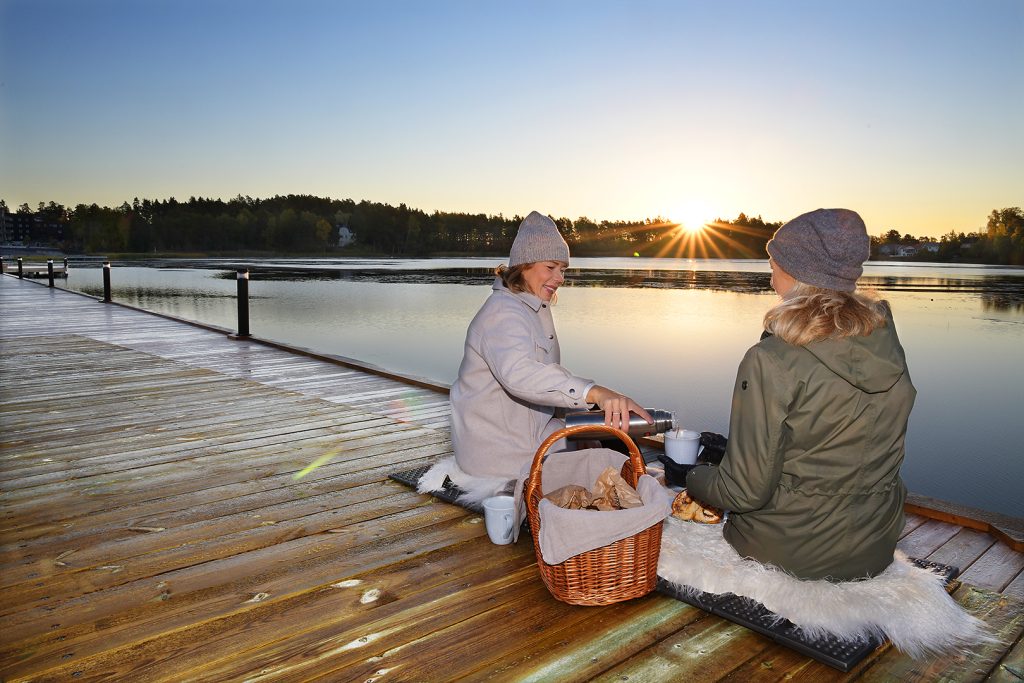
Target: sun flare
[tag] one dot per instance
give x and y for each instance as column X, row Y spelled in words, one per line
column 693, row 217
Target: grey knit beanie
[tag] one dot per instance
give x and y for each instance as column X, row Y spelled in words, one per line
column 538, row 239
column 826, row 248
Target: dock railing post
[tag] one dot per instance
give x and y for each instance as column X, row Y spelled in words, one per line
column 49, row 270
column 20, row 272
column 243, row 304
column 3, row 265
column 106, row 282
column 65, row 266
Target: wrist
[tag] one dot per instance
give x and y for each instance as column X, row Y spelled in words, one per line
column 694, row 469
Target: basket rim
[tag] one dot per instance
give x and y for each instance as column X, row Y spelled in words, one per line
column 533, row 482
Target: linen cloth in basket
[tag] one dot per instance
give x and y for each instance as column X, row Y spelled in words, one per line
column 566, row 533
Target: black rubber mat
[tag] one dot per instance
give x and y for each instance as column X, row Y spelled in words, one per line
column 839, row 654
column 448, row 493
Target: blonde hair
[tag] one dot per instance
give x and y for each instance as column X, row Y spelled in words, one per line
column 809, row 314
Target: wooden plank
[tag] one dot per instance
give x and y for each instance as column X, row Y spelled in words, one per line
column 1008, row 529
column 708, row 649
column 1011, row 667
column 927, row 538
column 574, row 645
column 963, row 549
column 1015, row 589
column 996, row 569
column 912, row 522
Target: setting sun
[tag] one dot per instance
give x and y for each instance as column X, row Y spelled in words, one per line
column 692, row 217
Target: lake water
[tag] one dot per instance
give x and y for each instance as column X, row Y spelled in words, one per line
column 668, row 332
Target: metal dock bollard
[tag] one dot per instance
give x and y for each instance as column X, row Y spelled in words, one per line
column 106, row 282
column 243, row 304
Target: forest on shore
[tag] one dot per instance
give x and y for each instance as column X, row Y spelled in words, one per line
column 310, row 225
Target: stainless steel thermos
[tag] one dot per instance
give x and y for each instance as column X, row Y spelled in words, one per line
column 637, row 425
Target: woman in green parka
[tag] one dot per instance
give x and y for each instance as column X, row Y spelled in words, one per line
column 811, row 473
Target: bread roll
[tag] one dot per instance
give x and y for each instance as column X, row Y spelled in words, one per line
column 686, row 508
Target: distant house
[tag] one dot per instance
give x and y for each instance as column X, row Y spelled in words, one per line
column 345, row 236
column 887, row 249
column 30, row 228
column 906, row 250
column 930, row 247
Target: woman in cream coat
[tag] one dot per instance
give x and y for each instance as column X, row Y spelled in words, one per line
column 511, row 382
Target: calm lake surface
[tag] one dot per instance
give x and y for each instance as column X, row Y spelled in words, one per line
column 668, row 332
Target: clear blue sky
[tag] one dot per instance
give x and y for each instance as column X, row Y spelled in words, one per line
column 911, row 112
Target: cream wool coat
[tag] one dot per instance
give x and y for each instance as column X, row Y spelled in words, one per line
column 509, row 385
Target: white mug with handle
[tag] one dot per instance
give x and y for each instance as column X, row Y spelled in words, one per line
column 499, row 513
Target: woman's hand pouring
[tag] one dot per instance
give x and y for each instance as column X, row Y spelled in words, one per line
column 616, row 407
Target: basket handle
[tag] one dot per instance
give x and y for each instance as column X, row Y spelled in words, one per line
column 533, row 482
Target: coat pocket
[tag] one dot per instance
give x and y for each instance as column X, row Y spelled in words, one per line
column 543, row 350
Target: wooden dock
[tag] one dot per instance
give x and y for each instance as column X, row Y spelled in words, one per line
column 178, row 505
column 35, row 270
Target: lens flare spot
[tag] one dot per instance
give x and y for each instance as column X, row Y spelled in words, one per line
column 322, row 460
column 403, row 409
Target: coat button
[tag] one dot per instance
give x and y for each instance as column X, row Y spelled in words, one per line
column 572, row 391
column 543, row 305
column 551, row 336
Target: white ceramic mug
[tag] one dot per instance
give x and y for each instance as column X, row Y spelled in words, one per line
column 682, row 446
column 499, row 514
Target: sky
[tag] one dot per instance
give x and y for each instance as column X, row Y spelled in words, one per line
column 909, row 112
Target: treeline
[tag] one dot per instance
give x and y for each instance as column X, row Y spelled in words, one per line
column 305, row 224
column 1001, row 243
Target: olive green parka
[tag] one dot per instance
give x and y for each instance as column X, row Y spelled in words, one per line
column 811, row 473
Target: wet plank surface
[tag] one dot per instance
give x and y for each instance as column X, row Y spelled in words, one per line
column 176, row 506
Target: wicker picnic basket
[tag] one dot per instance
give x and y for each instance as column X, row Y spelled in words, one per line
column 622, row 570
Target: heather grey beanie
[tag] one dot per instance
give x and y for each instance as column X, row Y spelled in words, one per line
column 538, row 239
column 826, row 248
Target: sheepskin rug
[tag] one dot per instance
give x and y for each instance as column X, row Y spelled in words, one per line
column 475, row 489
column 905, row 603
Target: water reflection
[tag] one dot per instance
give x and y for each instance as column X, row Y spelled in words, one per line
column 995, row 292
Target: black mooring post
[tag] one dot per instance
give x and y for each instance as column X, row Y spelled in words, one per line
column 3, row 265
column 65, row 265
column 106, row 282
column 243, row 304
column 20, row 273
column 49, row 270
